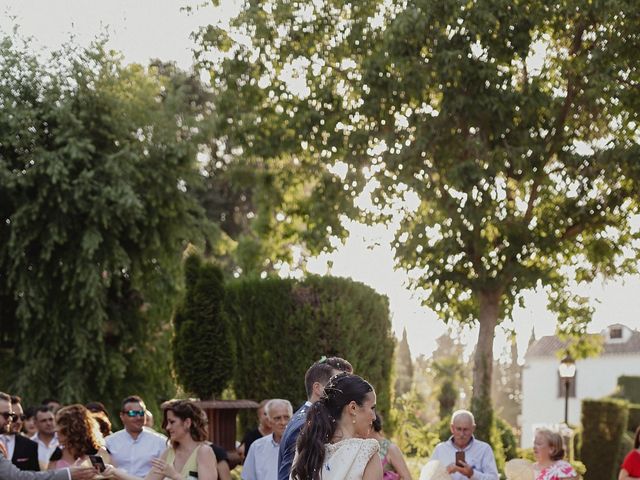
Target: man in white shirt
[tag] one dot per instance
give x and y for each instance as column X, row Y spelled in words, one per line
column 262, row 461
column 133, row 448
column 464, row 456
column 46, row 437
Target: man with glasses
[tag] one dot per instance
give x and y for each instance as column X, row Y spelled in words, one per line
column 133, row 448
column 46, row 438
column 8, row 471
column 22, row 451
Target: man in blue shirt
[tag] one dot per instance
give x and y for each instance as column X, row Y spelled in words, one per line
column 479, row 462
column 315, row 379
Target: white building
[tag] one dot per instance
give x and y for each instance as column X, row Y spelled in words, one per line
column 543, row 392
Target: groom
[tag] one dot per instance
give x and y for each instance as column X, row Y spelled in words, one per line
column 315, row 379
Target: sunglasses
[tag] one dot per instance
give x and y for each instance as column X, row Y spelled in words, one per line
column 9, row 416
column 134, row 413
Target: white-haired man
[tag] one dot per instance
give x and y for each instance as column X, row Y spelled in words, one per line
column 262, row 461
column 463, row 455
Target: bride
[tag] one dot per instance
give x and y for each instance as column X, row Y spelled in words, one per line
column 333, row 444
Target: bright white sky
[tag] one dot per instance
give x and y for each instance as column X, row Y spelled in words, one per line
column 145, row 29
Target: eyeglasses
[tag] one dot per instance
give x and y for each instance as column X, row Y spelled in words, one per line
column 9, row 416
column 134, row 413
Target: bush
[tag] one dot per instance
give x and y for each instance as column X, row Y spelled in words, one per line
column 634, row 417
column 202, row 346
column 282, row 326
column 508, row 439
column 604, row 423
column 629, row 388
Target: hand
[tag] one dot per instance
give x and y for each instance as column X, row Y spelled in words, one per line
column 452, row 468
column 164, row 468
column 109, row 471
column 82, row 473
column 465, row 469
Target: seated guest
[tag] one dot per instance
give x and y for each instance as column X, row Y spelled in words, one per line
column 262, row 461
column 475, row 458
column 77, row 436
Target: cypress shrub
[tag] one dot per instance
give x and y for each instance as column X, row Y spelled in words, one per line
column 604, row 422
column 634, row 417
column 629, row 388
column 282, row 326
column 203, row 357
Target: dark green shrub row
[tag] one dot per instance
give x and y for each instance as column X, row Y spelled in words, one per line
column 634, row 417
column 629, row 388
column 604, row 422
column 282, row 326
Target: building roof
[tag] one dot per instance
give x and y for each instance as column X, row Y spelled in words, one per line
column 547, row 346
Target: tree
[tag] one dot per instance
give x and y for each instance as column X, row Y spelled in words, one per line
column 97, row 160
column 404, row 366
column 502, row 135
column 203, row 355
column 507, row 386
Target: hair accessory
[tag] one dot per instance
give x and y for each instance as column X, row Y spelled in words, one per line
column 323, row 359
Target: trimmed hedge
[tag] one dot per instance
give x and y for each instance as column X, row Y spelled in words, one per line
column 604, row 422
column 634, row 417
column 282, row 326
column 203, row 357
column 629, row 388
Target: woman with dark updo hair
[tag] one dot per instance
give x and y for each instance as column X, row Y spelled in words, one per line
column 333, row 444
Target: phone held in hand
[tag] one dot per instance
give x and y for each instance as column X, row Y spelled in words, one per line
column 96, row 461
column 459, row 458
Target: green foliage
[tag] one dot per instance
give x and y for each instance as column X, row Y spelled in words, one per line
column 203, row 355
column 502, row 135
column 414, row 437
column 629, row 388
column 486, row 427
column 634, row 417
column 403, row 367
column 507, row 439
column 604, row 423
column 283, row 326
column 96, row 164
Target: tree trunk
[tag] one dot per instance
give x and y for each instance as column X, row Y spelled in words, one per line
column 483, row 360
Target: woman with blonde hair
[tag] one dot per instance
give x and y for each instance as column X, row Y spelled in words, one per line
column 549, row 454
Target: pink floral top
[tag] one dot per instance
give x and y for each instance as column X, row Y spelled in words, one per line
column 557, row 471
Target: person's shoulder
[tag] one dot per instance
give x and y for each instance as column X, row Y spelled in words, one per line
column 26, row 441
column 114, row 436
column 152, row 434
column 261, row 442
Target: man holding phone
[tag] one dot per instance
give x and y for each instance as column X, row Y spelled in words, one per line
column 465, row 456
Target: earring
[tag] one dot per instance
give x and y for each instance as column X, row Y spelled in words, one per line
column 354, row 421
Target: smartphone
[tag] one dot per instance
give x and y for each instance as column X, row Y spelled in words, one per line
column 96, row 461
column 459, row 458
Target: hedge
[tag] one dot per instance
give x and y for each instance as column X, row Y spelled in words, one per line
column 604, row 422
column 634, row 417
column 629, row 388
column 282, row 326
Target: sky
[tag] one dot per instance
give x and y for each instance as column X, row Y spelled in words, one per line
column 146, row 29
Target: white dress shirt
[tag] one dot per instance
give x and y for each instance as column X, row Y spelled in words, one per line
column 134, row 455
column 45, row 451
column 9, row 443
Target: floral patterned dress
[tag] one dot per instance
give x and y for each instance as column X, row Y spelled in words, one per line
column 558, row 470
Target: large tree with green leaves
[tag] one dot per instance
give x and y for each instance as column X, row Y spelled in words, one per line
column 97, row 160
column 502, row 134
